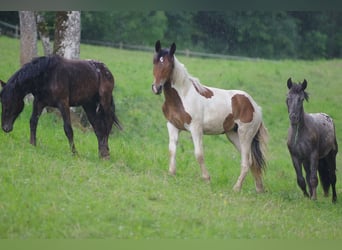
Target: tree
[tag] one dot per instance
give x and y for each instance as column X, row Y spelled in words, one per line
column 28, row 36
column 67, row 34
column 44, row 34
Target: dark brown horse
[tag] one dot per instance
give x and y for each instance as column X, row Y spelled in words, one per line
column 58, row 82
column 311, row 142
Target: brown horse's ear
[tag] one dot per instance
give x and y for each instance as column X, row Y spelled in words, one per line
column 158, row 46
column 304, row 84
column 2, row 83
column 172, row 49
column 289, row 83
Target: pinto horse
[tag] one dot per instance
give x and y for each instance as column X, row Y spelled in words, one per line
column 311, row 142
column 58, row 82
column 199, row 109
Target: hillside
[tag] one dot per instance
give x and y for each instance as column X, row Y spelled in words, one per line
column 47, row 193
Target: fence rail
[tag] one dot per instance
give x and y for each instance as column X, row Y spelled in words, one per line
column 15, row 33
column 186, row 52
column 10, row 29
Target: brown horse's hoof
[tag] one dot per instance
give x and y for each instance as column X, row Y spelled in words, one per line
column 105, row 156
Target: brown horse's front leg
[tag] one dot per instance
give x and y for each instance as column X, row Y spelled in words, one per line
column 36, row 112
column 103, row 148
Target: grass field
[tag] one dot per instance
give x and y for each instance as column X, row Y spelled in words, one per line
column 45, row 192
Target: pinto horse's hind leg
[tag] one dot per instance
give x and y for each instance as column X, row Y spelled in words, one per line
column 245, row 136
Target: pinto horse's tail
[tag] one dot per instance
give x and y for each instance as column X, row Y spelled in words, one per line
column 259, row 146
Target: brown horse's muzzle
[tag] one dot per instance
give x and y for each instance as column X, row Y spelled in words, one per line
column 7, row 127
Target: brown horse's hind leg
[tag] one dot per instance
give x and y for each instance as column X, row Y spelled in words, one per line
column 65, row 111
column 101, row 128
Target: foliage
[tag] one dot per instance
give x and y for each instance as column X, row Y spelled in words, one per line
column 123, row 26
column 47, row 193
column 264, row 34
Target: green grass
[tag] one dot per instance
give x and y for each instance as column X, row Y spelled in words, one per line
column 45, row 192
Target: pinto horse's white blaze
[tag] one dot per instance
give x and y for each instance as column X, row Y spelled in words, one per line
column 199, row 109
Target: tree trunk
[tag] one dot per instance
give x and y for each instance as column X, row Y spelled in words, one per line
column 28, row 36
column 68, row 34
column 44, row 35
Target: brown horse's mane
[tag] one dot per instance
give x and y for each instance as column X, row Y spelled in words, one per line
column 33, row 69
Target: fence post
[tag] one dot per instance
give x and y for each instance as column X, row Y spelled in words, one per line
column 16, row 31
column 187, row 52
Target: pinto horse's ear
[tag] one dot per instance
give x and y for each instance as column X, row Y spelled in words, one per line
column 158, row 46
column 289, row 83
column 304, row 84
column 172, row 49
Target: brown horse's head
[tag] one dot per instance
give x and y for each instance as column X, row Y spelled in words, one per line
column 12, row 105
column 163, row 62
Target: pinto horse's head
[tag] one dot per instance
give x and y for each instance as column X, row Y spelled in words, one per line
column 163, row 62
column 11, row 105
column 295, row 99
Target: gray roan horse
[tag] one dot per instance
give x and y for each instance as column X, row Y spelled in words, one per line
column 311, row 142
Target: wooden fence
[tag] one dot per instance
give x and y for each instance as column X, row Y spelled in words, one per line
column 13, row 31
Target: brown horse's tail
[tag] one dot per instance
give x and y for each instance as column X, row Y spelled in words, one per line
column 259, row 146
column 115, row 118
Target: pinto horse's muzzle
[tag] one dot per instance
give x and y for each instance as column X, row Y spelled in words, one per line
column 157, row 89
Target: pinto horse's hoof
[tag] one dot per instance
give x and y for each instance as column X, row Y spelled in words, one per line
column 206, row 178
column 237, row 188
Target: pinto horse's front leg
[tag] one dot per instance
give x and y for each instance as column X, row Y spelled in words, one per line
column 173, row 141
column 197, row 135
column 36, row 112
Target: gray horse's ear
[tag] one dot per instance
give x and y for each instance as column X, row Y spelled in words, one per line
column 158, row 46
column 289, row 83
column 304, row 84
column 172, row 49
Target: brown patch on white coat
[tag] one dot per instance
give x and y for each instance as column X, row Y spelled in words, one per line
column 203, row 91
column 173, row 108
column 242, row 109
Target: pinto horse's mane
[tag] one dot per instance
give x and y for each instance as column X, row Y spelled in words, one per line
column 181, row 74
